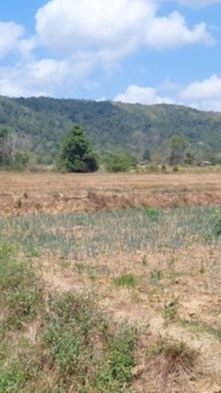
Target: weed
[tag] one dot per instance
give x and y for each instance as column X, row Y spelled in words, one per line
column 12, row 377
column 217, row 228
column 144, row 261
column 87, row 354
column 170, row 311
column 152, row 214
column 156, row 276
column 20, row 291
column 125, row 280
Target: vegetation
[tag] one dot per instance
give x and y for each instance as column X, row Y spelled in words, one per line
column 43, row 123
column 77, row 154
column 83, row 352
column 119, row 162
column 12, row 154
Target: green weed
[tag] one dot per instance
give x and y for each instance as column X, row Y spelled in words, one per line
column 125, row 280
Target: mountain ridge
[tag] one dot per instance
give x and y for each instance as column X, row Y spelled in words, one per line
column 44, row 121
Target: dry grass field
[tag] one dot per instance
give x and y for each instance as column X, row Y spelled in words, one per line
column 54, row 193
column 110, row 283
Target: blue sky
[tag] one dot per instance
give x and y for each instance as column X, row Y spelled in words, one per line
column 146, row 51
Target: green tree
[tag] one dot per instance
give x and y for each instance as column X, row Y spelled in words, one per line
column 146, row 155
column 77, row 153
column 177, row 145
column 119, row 162
column 5, row 148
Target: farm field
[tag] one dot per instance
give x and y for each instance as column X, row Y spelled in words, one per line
column 110, row 283
column 53, row 193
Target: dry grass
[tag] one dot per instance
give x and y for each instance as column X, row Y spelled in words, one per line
column 54, row 193
column 158, row 270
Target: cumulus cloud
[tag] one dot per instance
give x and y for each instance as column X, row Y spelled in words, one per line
column 78, row 36
column 172, row 32
column 40, row 78
column 112, row 29
column 203, row 90
column 142, row 95
column 202, row 95
column 10, row 34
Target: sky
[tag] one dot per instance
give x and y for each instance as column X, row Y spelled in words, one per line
column 137, row 51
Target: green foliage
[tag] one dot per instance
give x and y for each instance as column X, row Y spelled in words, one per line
column 12, row 377
column 20, row 161
column 119, row 162
column 156, row 276
column 170, row 310
column 125, row 280
column 218, row 228
column 88, row 356
column 115, row 372
column 11, row 155
column 77, row 154
column 146, row 155
column 20, row 291
column 45, row 121
column 177, row 145
column 152, row 213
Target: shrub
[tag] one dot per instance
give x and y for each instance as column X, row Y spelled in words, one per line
column 119, row 162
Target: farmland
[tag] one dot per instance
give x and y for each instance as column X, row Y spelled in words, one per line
column 110, row 283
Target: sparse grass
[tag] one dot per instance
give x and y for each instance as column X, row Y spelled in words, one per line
column 83, row 235
column 167, row 258
column 87, row 355
column 170, row 310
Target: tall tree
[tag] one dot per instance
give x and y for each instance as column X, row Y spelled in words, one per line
column 77, row 153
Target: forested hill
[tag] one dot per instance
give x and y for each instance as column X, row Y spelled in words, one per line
column 44, row 121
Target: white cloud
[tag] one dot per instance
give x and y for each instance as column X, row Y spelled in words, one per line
column 172, row 32
column 203, row 90
column 142, row 95
column 112, row 29
column 79, row 36
column 203, row 95
column 10, row 34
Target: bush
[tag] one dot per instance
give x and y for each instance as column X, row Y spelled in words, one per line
column 119, row 162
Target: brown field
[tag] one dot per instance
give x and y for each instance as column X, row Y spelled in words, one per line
column 174, row 296
column 54, row 193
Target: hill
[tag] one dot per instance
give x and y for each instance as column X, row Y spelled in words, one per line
column 43, row 122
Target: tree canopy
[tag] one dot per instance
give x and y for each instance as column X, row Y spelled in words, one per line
column 77, row 153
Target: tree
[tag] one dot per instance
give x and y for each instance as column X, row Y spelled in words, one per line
column 146, row 155
column 5, row 148
column 177, row 145
column 77, row 153
column 119, row 162
column 13, row 154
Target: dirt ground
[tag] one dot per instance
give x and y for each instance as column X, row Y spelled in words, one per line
column 22, row 193
column 177, row 295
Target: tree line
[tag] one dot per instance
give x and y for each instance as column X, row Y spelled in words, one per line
column 78, row 155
